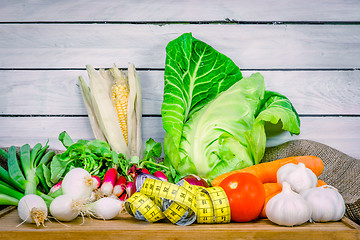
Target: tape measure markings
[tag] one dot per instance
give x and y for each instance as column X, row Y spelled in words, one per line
column 171, row 192
column 175, row 211
column 145, row 206
column 181, row 203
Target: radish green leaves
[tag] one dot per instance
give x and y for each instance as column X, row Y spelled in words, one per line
column 213, row 117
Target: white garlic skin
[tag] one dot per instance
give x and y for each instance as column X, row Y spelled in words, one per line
column 298, row 176
column 326, row 203
column 288, row 208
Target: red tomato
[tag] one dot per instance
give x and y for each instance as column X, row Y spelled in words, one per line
column 246, row 196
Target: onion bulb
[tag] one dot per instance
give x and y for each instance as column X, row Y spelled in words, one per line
column 32, row 209
column 195, row 180
column 78, row 184
column 106, row 208
column 64, row 208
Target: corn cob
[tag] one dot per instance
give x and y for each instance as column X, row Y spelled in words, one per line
column 120, row 95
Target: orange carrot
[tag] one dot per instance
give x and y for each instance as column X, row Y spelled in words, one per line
column 266, row 172
column 321, row 183
column 271, row 189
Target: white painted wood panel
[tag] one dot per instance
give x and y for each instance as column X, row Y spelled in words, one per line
column 55, row 92
column 340, row 133
column 249, row 46
column 185, row 10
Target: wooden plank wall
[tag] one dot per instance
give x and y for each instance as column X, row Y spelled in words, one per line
column 306, row 50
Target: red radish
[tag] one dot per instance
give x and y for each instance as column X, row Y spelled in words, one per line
column 123, row 196
column 144, row 170
column 120, row 186
column 96, row 182
column 160, row 175
column 130, row 188
column 55, row 187
column 134, row 171
column 108, row 183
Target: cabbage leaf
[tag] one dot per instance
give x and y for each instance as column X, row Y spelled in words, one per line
column 213, row 117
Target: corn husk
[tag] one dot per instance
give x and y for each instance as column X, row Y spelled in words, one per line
column 102, row 113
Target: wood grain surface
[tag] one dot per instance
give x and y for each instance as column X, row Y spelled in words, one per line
column 127, row 227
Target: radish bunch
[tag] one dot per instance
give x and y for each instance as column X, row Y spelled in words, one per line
column 119, row 186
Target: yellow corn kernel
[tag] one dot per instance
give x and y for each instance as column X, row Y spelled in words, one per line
column 119, row 95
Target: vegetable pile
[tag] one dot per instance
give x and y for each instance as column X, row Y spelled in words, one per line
column 293, row 194
column 215, row 138
column 88, row 179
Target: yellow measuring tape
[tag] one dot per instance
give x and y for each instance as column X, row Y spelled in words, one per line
column 181, row 203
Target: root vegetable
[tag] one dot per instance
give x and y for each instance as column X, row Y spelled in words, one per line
column 161, row 176
column 130, row 188
column 55, row 187
column 195, row 180
column 96, row 182
column 108, row 183
column 266, row 172
column 32, row 209
column 64, row 208
column 78, row 184
column 106, row 208
column 120, row 186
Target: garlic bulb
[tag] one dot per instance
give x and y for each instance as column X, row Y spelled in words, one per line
column 298, row 176
column 288, row 208
column 326, row 203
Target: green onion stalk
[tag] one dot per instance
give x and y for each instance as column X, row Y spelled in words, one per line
column 28, row 174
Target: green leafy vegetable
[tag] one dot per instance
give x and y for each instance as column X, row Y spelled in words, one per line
column 97, row 157
column 213, row 117
column 94, row 156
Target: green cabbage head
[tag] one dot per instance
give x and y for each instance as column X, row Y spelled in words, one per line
column 214, row 118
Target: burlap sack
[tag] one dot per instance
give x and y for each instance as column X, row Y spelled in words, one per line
column 341, row 170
